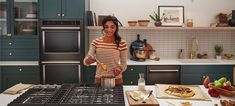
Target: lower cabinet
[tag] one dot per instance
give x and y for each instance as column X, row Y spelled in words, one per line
column 11, row 75
column 193, row 74
column 130, row 76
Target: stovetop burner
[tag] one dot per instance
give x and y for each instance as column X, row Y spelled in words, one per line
column 70, row 95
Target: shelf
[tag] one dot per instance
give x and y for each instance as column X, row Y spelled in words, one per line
column 165, row 28
column 25, row 19
column 3, row 19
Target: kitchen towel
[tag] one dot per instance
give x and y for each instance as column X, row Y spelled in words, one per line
column 17, row 88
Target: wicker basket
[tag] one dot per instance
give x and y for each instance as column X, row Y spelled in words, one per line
column 222, row 91
column 132, row 23
column 143, row 22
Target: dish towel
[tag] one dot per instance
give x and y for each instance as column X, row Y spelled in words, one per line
column 17, row 88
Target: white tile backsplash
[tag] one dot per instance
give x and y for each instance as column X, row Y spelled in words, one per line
column 168, row 43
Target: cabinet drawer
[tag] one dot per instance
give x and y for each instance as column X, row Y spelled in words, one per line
column 135, row 69
column 20, row 54
column 20, row 43
column 20, row 70
column 130, row 80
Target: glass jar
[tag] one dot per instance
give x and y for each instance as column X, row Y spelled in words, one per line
column 189, row 22
column 141, row 82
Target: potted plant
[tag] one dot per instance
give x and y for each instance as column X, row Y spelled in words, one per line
column 157, row 19
column 218, row 50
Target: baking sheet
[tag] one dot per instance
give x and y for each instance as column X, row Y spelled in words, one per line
column 199, row 94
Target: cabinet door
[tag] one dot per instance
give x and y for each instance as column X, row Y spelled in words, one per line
column 72, row 8
column 131, row 75
column 50, row 8
column 89, row 74
column 19, row 74
column 193, row 74
column 4, row 17
column 20, row 54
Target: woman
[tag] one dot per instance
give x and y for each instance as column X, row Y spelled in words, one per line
column 110, row 50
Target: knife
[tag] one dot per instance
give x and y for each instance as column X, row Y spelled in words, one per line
column 145, row 98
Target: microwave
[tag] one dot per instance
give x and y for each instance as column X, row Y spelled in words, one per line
column 61, row 41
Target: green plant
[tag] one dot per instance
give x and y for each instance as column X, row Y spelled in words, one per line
column 156, row 17
column 218, row 49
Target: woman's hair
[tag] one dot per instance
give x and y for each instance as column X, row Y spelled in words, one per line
column 115, row 21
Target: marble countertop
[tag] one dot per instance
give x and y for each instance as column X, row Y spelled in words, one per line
column 182, row 62
column 19, row 63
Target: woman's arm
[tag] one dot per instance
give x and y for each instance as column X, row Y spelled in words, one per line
column 90, row 53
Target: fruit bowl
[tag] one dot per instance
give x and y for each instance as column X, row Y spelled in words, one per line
column 224, row 92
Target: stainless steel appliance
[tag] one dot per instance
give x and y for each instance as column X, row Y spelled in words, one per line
column 61, row 51
column 61, row 40
column 69, row 95
column 163, row 74
column 59, row 72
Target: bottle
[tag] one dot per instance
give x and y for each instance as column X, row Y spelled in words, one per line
column 141, row 82
column 180, row 55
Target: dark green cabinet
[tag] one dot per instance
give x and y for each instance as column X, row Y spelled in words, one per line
column 89, row 75
column 193, row 74
column 68, row 9
column 11, row 75
column 131, row 75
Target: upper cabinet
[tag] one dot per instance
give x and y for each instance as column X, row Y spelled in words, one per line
column 18, row 17
column 62, row 9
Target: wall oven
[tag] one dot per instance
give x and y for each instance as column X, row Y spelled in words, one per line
column 59, row 72
column 61, row 40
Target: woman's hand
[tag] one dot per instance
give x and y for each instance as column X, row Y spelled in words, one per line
column 117, row 70
column 90, row 59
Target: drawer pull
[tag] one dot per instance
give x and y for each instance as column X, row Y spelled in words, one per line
column 163, row 70
column 58, row 14
column 10, row 43
column 10, row 54
column 132, row 69
column 131, row 82
column 9, row 34
column 20, row 69
column 62, row 15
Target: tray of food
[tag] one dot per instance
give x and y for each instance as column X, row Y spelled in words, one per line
column 190, row 92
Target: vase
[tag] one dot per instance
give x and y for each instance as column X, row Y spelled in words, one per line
column 231, row 22
column 158, row 23
column 218, row 57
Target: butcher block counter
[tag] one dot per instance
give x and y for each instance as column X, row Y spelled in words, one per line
column 5, row 99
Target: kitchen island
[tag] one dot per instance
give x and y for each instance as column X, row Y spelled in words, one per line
column 5, row 99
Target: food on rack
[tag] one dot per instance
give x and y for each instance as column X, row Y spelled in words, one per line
column 186, row 104
column 180, row 91
column 227, row 102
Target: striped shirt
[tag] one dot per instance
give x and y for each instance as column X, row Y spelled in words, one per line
column 109, row 54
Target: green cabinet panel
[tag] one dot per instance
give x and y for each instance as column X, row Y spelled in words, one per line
column 89, row 75
column 11, row 75
column 57, row 9
column 20, row 54
column 20, row 43
column 193, row 74
column 131, row 75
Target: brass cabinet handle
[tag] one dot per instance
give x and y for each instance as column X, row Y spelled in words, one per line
column 20, row 69
column 10, row 43
column 62, row 15
column 132, row 69
column 58, row 14
column 10, row 54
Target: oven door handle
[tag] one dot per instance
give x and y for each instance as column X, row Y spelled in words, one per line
column 163, row 70
column 60, row 62
column 43, row 74
column 60, row 28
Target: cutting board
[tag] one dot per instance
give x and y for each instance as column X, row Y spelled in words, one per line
column 199, row 94
column 151, row 101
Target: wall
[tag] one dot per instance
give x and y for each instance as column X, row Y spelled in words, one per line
column 202, row 12
column 168, row 43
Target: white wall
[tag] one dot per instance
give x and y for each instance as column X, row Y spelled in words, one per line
column 202, row 12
